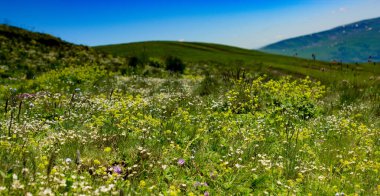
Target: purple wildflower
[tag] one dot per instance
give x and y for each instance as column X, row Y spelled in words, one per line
column 117, row 169
column 181, row 162
column 196, row 184
column 25, row 96
column 206, row 193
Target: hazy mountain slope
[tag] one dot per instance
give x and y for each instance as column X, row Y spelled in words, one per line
column 354, row 42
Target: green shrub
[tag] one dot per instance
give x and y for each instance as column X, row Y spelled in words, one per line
column 175, row 64
column 153, row 62
column 133, row 61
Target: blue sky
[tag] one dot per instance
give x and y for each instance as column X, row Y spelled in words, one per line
column 243, row 23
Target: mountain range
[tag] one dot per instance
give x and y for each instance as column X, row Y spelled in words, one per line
column 355, row 42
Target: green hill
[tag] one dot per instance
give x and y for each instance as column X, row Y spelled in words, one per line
column 25, row 54
column 354, row 42
column 223, row 57
column 17, row 34
column 191, row 51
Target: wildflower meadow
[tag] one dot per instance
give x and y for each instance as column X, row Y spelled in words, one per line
column 95, row 125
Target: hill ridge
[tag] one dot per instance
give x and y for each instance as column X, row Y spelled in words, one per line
column 353, row 42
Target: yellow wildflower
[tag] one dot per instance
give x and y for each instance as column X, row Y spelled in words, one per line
column 96, row 162
column 142, row 184
column 107, row 149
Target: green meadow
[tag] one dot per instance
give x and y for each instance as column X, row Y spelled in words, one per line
column 180, row 118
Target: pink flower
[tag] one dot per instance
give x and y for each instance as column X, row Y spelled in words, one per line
column 181, row 162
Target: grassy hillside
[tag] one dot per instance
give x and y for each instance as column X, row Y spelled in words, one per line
column 354, row 42
column 25, row 54
column 223, row 57
column 193, row 52
column 186, row 50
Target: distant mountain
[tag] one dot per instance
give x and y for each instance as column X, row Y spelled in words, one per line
column 356, row 42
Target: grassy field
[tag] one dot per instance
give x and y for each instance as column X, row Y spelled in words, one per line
column 198, row 52
column 95, row 125
column 227, row 58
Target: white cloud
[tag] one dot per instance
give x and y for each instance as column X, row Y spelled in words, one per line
column 342, row 9
column 339, row 10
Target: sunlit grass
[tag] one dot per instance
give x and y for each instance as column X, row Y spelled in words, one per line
column 259, row 136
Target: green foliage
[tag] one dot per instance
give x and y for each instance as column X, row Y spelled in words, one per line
column 208, row 86
column 350, row 92
column 296, row 97
column 155, row 62
column 69, row 79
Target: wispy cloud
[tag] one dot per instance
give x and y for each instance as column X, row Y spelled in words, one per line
column 339, row 10
column 280, row 36
column 342, row 9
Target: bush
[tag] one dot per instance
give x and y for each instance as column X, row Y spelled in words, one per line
column 153, row 62
column 174, row 64
column 133, row 61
